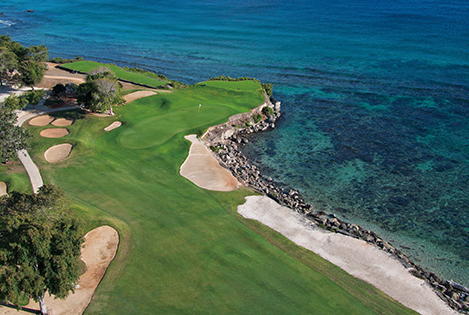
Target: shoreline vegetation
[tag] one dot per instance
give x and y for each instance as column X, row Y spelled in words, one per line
column 225, row 140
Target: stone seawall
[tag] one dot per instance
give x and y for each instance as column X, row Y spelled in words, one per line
column 225, row 141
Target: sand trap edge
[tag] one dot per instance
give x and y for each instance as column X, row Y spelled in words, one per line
column 41, row 121
column 63, row 122
column 58, row 152
column 113, row 126
column 54, row 133
column 3, row 189
column 202, row 169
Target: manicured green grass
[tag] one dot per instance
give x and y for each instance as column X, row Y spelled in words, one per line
column 183, row 249
column 87, row 66
column 15, row 177
column 246, row 85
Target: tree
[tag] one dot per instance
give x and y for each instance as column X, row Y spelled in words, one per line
column 26, row 62
column 38, row 53
column 35, row 96
column 99, row 73
column 40, row 242
column 8, row 64
column 13, row 102
column 32, row 72
column 108, row 92
column 12, row 137
column 58, row 90
column 268, row 88
column 101, row 91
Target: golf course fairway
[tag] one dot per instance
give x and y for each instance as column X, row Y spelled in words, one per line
column 183, row 249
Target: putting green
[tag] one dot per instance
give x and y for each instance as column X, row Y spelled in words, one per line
column 165, row 126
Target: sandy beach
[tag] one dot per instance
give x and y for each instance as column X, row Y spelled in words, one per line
column 356, row 257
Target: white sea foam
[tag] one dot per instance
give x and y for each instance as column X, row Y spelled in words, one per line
column 5, row 23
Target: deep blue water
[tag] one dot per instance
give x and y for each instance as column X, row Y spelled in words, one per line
column 375, row 96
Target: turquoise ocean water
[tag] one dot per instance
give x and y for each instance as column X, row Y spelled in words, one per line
column 375, row 96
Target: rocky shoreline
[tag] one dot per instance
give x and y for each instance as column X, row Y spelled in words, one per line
column 225, row 141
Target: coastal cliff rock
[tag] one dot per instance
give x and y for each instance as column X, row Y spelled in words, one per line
column 225, row 141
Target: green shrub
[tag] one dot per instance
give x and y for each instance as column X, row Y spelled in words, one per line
column 268, row 111
column 268, row 88
column 60, row 60
column 13, row 102
column 257, row 118
column 58, row 89
column 35, row 96
column 215, row 148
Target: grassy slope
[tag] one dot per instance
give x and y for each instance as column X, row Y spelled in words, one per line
column 183, row 249
column 15, row 176
column 87, row 66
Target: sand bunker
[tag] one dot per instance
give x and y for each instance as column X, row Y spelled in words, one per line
column 3, row 189
column 356, row 257
column 113, row 126
column 58, row 152
column 62, row 122
column 136, row 95
column 202, row 169
column 54, row 133
column 41, row 120
column 99, row 250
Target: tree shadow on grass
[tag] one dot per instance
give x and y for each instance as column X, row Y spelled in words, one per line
column 75, row 114
column 24, row 309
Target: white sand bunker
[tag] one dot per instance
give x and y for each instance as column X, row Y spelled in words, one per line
column 3, row 189
column 356, row 257
column 58, row 152
column 54, row 133
column 136, row 95
column 99, row 250
column 113, row 126
column 62, row 122
column 202, row 168
column 41, row 120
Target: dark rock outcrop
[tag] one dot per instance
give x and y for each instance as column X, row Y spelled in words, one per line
column 225, row 141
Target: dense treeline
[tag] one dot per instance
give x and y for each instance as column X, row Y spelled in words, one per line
column 61, row 60
column 39, row 246
column 21, row 65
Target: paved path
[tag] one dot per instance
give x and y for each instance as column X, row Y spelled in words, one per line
column 31, row 168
